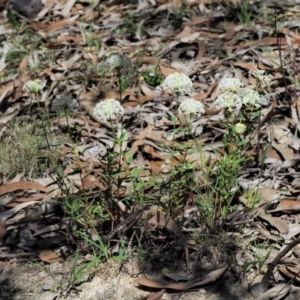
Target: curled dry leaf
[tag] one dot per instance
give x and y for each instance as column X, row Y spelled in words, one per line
column 49, row 256
column 15, row 186
column 159, row 283
column 290, row 272
column 280, row 224
column 286, row 205
column 277, row 292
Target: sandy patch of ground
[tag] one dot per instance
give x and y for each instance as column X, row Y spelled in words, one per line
column 21, row 280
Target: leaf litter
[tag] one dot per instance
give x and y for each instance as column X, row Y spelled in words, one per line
column 69, row 43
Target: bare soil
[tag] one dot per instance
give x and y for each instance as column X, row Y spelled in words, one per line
column 30, row 281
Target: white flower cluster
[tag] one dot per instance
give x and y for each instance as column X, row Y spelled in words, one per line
column 261, row 77
column 108, row 110
column 233, row 95
column 250, row 97
column 191, row 108
column 33, row 86
column 178, row 83
column 232, row 85
column 228, row 100
column 61, row 103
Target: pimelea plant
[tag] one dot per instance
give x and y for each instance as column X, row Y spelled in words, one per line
column 108, row 110
column 250, row 98
column 239, row 103
column 33, row 86
column 234, row 95
column 178, row 83
column 262, row 79
column 228, row 100
column 191, row 108
column 232, row 85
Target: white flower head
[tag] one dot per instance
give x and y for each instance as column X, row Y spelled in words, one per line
column 240, row 128
column 250, row 97
column 61, row 103
column 232, row 85
column 228, row 100
column 109, row 109
column 178, row 83
column 33, row 86
column 191, row 108
column 261, row 77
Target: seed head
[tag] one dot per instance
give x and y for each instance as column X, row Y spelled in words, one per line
column 118, row 62
column 61, row 103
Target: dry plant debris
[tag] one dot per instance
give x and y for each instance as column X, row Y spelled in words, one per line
column 170, row 127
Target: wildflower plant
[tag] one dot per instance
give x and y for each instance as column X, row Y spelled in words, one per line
column 33, row 86
column 191, row 108
column 108, row 110
column 234, row 97
column 232, row 85
column 178, row 83
column 229, row 101
column 250, row 98
column 121, row 66
column 263, row 80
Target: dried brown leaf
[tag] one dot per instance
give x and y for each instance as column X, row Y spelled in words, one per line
column 196, row 20
column 245, row 65
column 230, row 32
column 277, row 292
column 188, row 35
column 156, row 296
column 201, row 50
column 156, row 282
column 2, row 231
column 288, row 272
column 167, row 71
column 286, row 205
column 280, row 224
column 25, row 185
column 49, row 256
